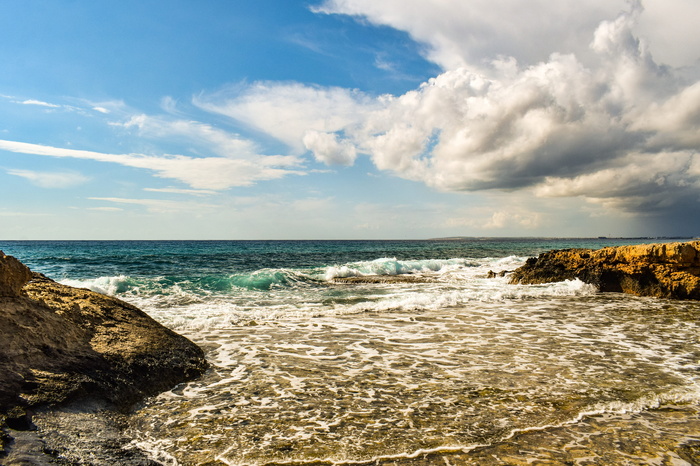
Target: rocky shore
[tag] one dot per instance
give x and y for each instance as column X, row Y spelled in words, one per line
column 81, row 352
column 667, row 270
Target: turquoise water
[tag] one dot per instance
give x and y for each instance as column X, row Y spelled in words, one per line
column 180, row 259
column 448, row 368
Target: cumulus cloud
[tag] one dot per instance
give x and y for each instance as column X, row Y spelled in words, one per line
column 646, row 183
column 50, row 179
column 327, row 148
column 604, row 121
column 513, row 219
column 470, row 34
column 459, row 33
column 288, row 111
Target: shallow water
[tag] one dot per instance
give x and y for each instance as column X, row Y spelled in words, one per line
column 450, row 368
column 361, row 387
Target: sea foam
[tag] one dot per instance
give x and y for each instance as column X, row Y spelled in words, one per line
column 391, row 266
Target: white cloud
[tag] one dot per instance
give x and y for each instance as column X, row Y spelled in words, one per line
column 106, row 209
column 51, row 179
column 666, row 24
column 460, row 33
column 328, row 149
column 209, row 173
column 5, row 213
column 473, row 33
column 569, row 124
column 160, row 205
column 504, row 219
column 195, row 192
column 201, row 136
column 106, row 107
column 39, row 103
column 168, row 104
column 287, row 111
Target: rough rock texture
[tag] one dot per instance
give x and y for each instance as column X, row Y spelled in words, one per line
column 669, row 270
column 13, row 276
column 62, row 344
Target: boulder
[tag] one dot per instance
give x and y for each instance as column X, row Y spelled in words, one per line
column 13, row 276
column 666, row 270
column 62, row 344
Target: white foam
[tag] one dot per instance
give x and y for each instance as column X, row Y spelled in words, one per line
column 105, row 285
column 391, row 266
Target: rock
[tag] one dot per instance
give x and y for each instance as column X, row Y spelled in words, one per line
column 62, row 344
column 667, row 270
column 371, row 279
column 13, row 276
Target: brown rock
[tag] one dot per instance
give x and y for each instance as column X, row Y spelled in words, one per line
column 13, row 276
column 62, row 344
column 670, row 270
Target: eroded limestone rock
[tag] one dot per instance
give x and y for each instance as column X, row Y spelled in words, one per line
column 667, row 270
column 13, row 276
column 62, row 344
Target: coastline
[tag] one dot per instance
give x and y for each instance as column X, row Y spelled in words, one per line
column 306, row 350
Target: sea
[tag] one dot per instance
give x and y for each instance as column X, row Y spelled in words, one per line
column 398, row 353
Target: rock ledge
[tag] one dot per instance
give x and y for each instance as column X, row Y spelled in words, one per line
column 665, row 270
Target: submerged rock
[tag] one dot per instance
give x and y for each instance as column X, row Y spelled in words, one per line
column 370, row 279
column 62, row 344
column 667, row 270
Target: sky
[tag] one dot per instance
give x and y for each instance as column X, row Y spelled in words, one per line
column 349, row 119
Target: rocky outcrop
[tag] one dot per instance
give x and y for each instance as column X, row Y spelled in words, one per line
column 13, row 276
column 62, row 344
column 668, row 270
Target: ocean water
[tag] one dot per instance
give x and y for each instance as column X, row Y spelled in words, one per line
column 447, row 367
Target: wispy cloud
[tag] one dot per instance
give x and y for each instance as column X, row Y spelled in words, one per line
column 6, row 213
column 208, row 173
column 200, row 135
column 39, row 103
column 106, row 209
column 51, row 179
column 194, row 192
column 160, row 205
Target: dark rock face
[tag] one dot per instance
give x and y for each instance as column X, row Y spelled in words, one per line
column 62, row 344
column 670, row 270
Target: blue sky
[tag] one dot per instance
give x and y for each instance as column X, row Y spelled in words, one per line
column 285, row 119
